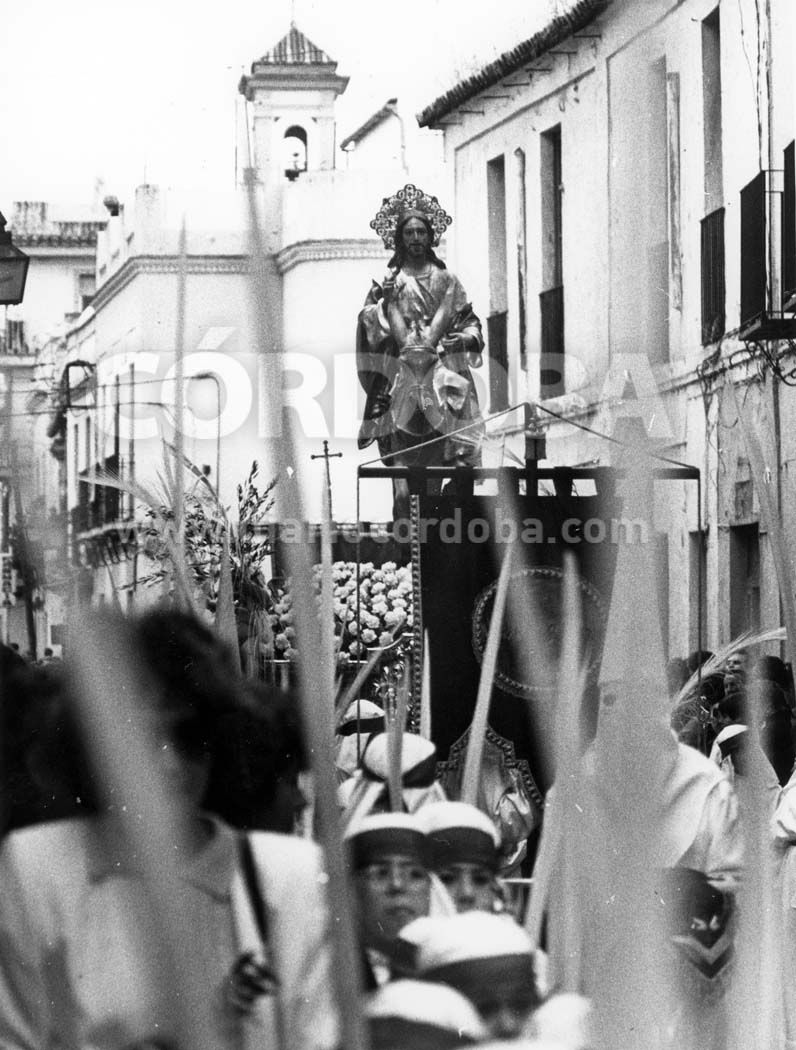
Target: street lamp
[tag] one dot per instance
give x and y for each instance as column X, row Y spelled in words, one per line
column 13, row 269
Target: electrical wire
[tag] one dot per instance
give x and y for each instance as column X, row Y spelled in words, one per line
column 53, row 392
column 51, row 412
column 481, row 421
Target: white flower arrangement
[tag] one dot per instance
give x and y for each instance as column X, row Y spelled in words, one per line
column 385, row 609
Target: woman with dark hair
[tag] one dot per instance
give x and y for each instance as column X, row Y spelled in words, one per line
column 417, row 340
column 41, row 755
column 692, row 720
column 258, row 757
column 82, row 910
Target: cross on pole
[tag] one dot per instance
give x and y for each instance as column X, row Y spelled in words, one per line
column 327, row 455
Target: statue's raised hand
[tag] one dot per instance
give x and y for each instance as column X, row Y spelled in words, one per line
column 388, row 287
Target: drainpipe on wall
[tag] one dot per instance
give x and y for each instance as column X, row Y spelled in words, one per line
column 774, row 187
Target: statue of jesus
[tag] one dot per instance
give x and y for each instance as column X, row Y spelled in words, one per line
column 417, row 340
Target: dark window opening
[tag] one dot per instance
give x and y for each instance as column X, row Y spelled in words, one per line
column 789, row 224
column 744, row 579
column 497, row 321
column 551, row 299
column 713, row 277
column 697, row 569
column 86, row 288
column 753, row 248
column 294, row 152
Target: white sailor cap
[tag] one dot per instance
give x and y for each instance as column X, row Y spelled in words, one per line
column 408, row 1013
column 361, row 716
column 381, row 834
column 459, row 832
column 474, row 949
column 565, row 1020
column 418, row 759
column 408, row 941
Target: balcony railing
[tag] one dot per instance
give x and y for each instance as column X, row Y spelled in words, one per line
column 551, row 372
column 713, row 277
column 12, row 339
column 104, row 506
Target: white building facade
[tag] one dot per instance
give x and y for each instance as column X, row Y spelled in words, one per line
column 60, row 285
column 624, row 204
column 320, row 259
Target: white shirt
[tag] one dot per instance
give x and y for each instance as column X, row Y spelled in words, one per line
column 84, row 966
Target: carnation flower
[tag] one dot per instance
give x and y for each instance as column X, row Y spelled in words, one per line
column 369, row 615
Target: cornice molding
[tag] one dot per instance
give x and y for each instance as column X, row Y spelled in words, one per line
column 140, row 265
column 324, row 250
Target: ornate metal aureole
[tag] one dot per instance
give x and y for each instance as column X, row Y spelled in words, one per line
column 541, row 590
column 409, row 199
column 450, row 772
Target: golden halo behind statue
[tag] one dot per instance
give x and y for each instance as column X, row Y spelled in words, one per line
column 410, row 199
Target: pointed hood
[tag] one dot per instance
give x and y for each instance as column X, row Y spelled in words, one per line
column 634, row 745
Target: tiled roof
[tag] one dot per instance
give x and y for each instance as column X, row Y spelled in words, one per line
column 580, row 14
column 373, row 121
column 294, row 49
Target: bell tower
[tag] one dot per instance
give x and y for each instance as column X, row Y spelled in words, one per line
column 292, row 91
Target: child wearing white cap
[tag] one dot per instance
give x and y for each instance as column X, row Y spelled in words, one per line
column 361, row 720
column 417, row 1015
column 387, row 854
column 488, row 958
column 368, row 791
column 464, row 851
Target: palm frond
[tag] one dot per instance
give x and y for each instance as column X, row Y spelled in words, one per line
column 716, row 663
column 350, row 694
column 130, row 488
column 471, row 778
column 226, row 623
column 396, row 726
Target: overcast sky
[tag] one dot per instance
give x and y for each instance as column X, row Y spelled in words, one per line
column 128, row 92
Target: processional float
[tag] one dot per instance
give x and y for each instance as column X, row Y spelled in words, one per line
column 417, row 340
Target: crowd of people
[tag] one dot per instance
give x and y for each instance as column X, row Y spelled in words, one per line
column 200, row 915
